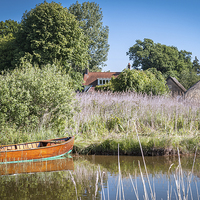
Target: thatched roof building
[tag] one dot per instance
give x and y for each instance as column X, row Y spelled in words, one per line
column 176, row 88
column 193, row 93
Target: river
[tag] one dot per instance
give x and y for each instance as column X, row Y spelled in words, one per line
column 103, row 177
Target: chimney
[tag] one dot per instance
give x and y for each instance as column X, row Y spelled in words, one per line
column 86, row 71
column 129, row 66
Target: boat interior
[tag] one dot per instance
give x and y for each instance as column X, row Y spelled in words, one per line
column 33, row 145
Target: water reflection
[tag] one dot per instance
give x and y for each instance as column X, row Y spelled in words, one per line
column 155, row 164
column 39, row 166
column 97, row 177
column 167, row 178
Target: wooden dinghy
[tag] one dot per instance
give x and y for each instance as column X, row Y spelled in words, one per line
column 61, row 164
column 36, row 150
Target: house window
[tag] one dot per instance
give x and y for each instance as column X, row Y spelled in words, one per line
column 102, row 81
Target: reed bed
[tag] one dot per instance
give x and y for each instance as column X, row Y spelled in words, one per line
column 101, row 121
column 163, row 122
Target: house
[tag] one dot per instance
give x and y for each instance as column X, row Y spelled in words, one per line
column 92, row 79
column 175, row 87
column 193, row 93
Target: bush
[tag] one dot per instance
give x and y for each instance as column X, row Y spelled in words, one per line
column 31, row 97
column 149, row 82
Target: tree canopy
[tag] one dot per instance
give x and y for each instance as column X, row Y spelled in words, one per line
column 7, row 27
column 90, row 16
column 7, row 51
column 196, row 64
column 50, row 33
column 166, row 59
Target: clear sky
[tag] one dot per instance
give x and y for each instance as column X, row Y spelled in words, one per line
column 170, row 22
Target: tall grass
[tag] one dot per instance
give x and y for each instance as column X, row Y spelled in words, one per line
column 161, row 121
column 106, row 119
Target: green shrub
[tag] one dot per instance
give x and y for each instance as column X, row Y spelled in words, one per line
column 32, row 97
column 150, row 82
column 114, row 123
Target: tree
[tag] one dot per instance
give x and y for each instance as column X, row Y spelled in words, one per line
column 188, row 78
column 7, row 48
column 90, row 16
column 7, row 27
column 166, row 59
column 196, row 64
column 50, row 33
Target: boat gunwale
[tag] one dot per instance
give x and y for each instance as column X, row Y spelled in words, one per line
column 29, row 149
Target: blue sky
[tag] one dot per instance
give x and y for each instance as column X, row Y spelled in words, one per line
column 169, row 22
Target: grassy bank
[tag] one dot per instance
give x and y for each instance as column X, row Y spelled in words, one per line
column 106, row 119
column 163, row 123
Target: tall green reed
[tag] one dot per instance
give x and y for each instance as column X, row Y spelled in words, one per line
column 114, row 115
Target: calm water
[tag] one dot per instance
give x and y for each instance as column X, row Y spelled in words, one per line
column 98, row 177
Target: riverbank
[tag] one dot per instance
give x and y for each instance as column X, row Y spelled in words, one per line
column 151, row 146
column 104, row 120
column 163, row 124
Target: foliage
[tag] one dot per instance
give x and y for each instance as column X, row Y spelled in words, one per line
column 50, row 33
column 114, row 123
column 90, row 16
column 148, row 54
column 7, row 48
column 137, row 81
column 31, row 97
column 106, row 87
column 8, row 27
column 188, row 78
column 196, row 64
column 166, row 59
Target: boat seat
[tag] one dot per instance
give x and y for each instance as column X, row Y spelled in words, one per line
column 20, row 146
column 35, row 145
column 13, row 147
column 29, row 146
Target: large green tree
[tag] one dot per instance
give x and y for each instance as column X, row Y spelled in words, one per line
column 48, row 34
column 90, row 15
column 167, row 59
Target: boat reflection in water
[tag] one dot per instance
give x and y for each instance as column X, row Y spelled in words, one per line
column 59, row 164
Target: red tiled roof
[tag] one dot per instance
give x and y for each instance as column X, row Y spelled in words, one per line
column 91, row 77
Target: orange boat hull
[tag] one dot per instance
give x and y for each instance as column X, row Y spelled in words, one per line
column 38, row 152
